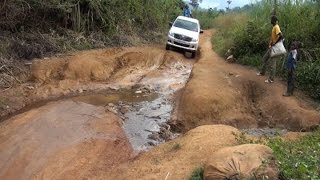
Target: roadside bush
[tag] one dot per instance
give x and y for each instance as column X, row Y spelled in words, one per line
column 308, row 77
column 38, row 26
column 249, row 37
column 228, row 26
column 206, row 17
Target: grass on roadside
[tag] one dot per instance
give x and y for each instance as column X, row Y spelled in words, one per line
column 197, row 174
column 297, row 159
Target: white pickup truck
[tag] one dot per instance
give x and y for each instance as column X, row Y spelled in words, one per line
column 184, row 34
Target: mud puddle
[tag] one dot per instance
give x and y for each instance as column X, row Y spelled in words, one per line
column 146, row 108
column 144, row 114
column 127, row 96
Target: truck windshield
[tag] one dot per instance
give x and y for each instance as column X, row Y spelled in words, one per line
column 191, row 26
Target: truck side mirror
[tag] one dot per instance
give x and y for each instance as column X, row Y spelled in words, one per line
column 201, row 31
column 170, row 24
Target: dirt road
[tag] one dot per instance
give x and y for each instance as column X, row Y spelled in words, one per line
column 222, row 93
column 116, row 102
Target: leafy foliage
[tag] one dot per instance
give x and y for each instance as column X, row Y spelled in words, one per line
column 34, row 28
column 248, row 37
column 206, row 17
column 298, row 159
column 197, row 174
column 87, row 15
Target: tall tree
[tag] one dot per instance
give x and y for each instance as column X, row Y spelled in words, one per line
column 229, row 2
column 195, row 3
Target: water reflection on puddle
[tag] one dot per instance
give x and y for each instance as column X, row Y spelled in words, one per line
column 124, row 96
column 144, row 113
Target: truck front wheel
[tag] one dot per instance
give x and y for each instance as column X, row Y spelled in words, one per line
column 193, row 54
column 167, row 47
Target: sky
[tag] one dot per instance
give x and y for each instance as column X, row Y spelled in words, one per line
column 222, row 4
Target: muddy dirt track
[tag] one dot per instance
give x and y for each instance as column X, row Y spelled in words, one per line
column 104, row 112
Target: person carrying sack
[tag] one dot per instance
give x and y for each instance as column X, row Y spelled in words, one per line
column 270, row 56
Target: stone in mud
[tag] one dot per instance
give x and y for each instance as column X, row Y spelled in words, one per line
column 138, row 92
column 166, row 135
column 154, row 108
column 111, row 105
column 179, row 67
column 30, row 87
column 114, row 88
column 110, row 109
column 231, row 59
column 124, row 109
column 154, row 136
column 151, row 143
column 165, row 126
column 140, row 113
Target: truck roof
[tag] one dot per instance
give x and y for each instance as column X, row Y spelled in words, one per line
column 188, row 19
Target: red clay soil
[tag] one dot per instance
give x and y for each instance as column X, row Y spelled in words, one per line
column 86, row 71
column 62, row 140
column 178, row 158
column 231, row 94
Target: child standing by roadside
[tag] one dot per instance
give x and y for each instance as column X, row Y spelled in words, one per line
column 292, row 65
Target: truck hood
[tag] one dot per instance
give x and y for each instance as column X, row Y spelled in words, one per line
column 185, row 32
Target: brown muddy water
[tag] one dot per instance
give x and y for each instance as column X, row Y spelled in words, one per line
column 31, row 140
column 144, row 115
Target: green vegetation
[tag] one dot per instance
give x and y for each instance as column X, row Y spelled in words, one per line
column 298, row 159
column 197, row 174
column 206, row 17
column 176, row 147
column 38, row 27
column 247, row 33
column 3, row 103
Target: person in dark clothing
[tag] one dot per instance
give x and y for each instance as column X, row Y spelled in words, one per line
column 187, row 11
column 291, row 66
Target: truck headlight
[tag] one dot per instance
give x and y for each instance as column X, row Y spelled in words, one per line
column 194, row 40
column 171, row 33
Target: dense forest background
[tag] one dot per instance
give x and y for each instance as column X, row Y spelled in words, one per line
column 38, row 27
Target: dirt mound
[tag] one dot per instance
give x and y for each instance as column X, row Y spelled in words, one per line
column 56, row 140
column 99, row 65
column 249, row 161
column 178, row 158
column 95, row 65
column 222, row 93
column 88, row 71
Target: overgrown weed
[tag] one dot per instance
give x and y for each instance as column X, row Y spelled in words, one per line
column 298, row 159
column 197, row 173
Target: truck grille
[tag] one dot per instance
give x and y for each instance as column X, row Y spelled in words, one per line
column 180, row 44
column 182, row 37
